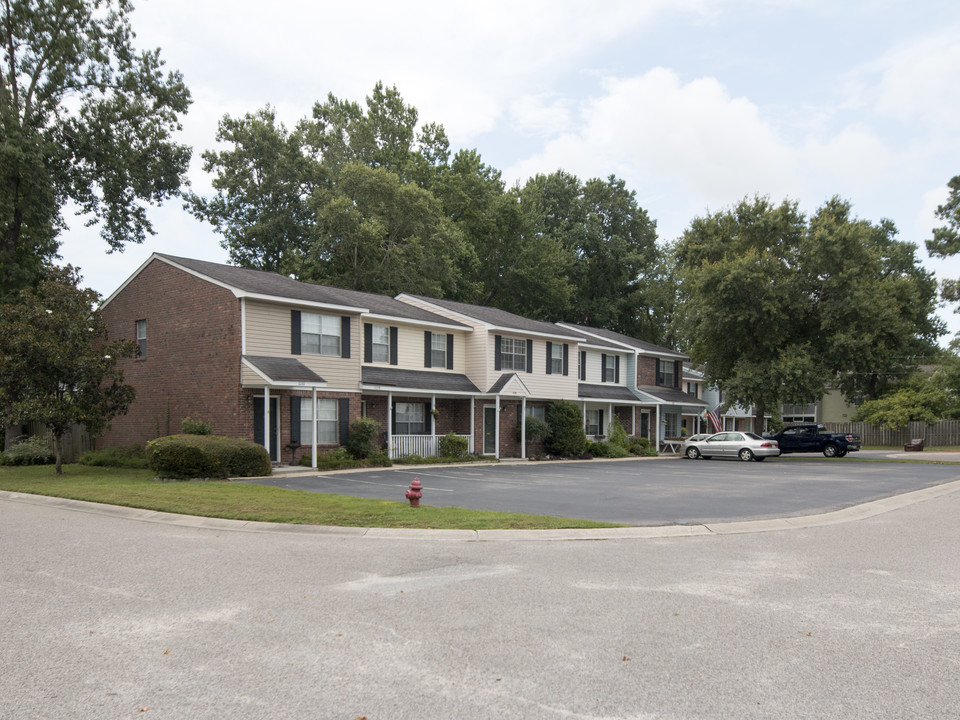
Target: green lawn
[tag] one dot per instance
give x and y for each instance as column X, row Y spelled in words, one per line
column 241, row 501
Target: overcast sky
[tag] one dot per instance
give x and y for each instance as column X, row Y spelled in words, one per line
column 695, row 104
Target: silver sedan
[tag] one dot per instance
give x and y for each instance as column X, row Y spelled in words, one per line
column 744, row 445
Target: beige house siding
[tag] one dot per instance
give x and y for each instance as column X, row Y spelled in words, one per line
column 267, row 332
column 540, row 385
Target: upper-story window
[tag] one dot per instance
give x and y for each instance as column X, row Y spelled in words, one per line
column 609, row 368
column 692, row 389
column 320, row 334
column 556, row 359
column 665, row 373
column 141, row 338
column 513, row 354
column 380, row 339
column 438, row 350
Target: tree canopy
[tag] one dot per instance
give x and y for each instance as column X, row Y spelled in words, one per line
column 84, row 118
column 56, row 366
column 775, row 306
column 946, row 238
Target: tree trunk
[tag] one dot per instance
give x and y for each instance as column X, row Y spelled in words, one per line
column 58, row 452
column 759, row 411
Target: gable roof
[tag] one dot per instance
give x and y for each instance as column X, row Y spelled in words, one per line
column 272, row 286
column 641, row 345
column 498, row 319
column 418, row 380
column 276, row 370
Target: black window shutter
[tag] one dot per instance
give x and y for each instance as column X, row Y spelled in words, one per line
column 497, row 344
column 345, row 336
column 449, row 351
column 393, row 418
column 549, row 356
column 659, row 372
column 427, row 347
column 428, row 419
column 603, row 367
column 583, row 365
column 294, row 332
column 394, row 346
column 600, row 423
column 295, row 421
column 529, row 356
column 566, row 359
column 677, row 373
column 367, row 342
column 344, row 420
column 616, row 376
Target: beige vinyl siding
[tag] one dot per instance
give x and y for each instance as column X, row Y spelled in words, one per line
column 540, row 385
column 595, row 367
column 268, row 333
column 410, row 353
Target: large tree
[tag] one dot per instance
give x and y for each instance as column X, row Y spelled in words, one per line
column 56, row 366
column 774, row 307
column 84, row 118
column 946, row 238
column 263, row 183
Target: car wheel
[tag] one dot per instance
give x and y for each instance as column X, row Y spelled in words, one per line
column 746, row 455
column 830, row 450
column 693, row 453
column 842, row 453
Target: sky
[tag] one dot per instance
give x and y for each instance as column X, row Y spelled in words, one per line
column 695, row 104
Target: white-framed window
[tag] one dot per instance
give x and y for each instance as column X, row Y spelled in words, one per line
column 410, row 418
column 799, row 413
column 320, row 334
column 556, row 359
column 610, row 368
column 381, row 343
column 666, row 376
column 438, row 350
column 326, row 421
column 141, row 338
column 593, row 422
column 513, row 354
column 537, row 412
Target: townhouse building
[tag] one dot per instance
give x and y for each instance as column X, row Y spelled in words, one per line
column 290, row 365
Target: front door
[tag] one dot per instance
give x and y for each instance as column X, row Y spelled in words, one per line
column 489, row 430
column 274, row 426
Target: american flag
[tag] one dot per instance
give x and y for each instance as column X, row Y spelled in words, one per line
column 715, row 420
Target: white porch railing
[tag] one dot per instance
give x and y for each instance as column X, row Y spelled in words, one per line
column 422, row 445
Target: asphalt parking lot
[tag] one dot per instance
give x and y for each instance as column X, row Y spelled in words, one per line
column 645, row 492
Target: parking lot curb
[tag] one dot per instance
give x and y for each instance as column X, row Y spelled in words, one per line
column 849, row 514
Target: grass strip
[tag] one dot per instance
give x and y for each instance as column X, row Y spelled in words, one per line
column 242, row 501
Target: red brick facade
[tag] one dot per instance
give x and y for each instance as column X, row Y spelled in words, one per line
column 192, row 362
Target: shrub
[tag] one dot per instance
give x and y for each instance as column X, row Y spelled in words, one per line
column 454, row 446
column 189, row 426
column 341, row 459
column 637, row 445
column 122, row 457
column 537, row 430
column 566, row 437
column 363, row 435
column 183, row 457
column 618, row 435
column 606, row 449
column 29, row 451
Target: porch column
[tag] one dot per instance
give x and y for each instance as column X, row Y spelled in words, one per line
column 473, row 440
column 523, row 428
column 656, row 432
column 584, row 409
column 609, row 419
column 633, row 420
column 433, row 420
column 313, row 452
column 390, row 425
column 496, row 431
column 266, row 419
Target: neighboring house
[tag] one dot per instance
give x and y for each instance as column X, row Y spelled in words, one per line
column 290, row 365
column 654, row 379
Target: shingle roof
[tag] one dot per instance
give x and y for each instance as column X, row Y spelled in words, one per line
column 500, row 318
column 272, row 284
column 418, row 379
column 605, row 392
column 281, row 369
column 674, row 396
column 627, row 340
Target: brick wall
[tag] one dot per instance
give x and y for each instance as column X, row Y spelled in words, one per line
column 192, row 362
column 646, row 371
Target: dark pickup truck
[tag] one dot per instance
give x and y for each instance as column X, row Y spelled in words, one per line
column 815, row 438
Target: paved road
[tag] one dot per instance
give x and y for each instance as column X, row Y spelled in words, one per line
column 102, row 616
column 643, row 492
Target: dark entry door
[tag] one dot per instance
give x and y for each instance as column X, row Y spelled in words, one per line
column 274, row 426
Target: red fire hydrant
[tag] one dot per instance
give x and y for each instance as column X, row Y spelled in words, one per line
column 414, row 494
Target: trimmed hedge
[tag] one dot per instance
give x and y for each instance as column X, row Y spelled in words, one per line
column 454, row 446
column 121, row 457
column 183, row 457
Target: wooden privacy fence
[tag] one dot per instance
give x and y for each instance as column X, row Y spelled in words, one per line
column 941, row 434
